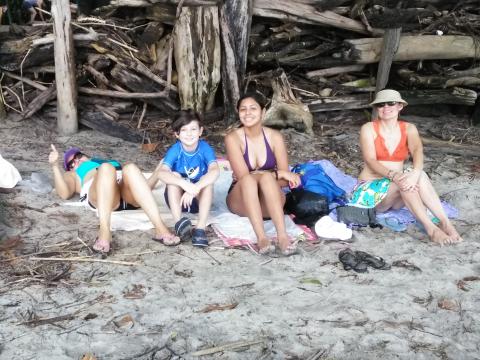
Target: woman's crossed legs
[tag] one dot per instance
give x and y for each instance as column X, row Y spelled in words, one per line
column 418, row 202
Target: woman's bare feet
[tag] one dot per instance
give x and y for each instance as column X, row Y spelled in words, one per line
column 450, row 230
column 265, row 247
column 439, row 237
column 287, row 248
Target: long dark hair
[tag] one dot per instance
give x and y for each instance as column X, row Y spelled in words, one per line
column 255, row 96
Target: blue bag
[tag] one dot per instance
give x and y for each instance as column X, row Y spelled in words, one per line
column 315, row 179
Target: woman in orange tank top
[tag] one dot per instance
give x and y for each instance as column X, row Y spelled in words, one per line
column 386, row 143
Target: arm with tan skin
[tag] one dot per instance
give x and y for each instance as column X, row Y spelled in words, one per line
column 235, row 156
column 279, row 149
column 64, row 183
column 166, row 175
column 208, row 179
column 408, row 181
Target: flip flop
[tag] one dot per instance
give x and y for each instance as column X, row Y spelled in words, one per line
column 350, row 261
column 101, row 252
column 392, row 223
column 374, row 261
column 167, row 239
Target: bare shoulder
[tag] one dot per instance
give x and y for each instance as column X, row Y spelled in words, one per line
column 233, row 138
column 367, row 127
column 367, row 130
column 233, row 135
column 412, row 129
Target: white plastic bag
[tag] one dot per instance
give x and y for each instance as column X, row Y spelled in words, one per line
column 9, row 175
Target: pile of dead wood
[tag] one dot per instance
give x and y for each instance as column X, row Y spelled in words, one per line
column 140, row 61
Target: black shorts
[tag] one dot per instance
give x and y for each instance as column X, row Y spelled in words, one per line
column 122, row 206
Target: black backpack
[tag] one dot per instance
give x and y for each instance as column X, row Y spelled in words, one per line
column 307, row 206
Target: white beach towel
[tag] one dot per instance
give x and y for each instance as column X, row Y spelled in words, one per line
column 9, row 175
column 234, row 229
column 137, row 219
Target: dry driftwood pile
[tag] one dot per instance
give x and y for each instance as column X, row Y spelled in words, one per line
column 139, row 61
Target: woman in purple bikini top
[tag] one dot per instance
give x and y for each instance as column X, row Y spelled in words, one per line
column 270, row 162
column 256, row 191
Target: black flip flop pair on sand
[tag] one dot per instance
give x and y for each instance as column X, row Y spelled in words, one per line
column 359, row 261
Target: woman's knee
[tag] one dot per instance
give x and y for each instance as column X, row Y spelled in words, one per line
column 424, row 178
column 247, row 181
column 130, row 168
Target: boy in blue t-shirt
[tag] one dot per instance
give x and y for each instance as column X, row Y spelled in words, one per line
column 189, row 170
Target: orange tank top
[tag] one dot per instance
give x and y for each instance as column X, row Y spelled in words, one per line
column 400, row 153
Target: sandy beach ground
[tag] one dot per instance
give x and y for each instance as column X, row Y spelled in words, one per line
column 182, row 302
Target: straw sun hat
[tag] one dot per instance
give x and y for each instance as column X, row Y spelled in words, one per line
column 388, row 95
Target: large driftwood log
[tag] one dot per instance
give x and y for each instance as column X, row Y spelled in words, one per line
column 138, row 84
column 3, row 112
column 391, row 40
column 424, row 47
column 235, row 21
column 36, row 104
column 98, row 121
column 469, row 77
column 67, row 121
column 11, row 61
column 197, row 57
column 286, row 110
column 146, row 3
column 455, row 96
column 286, row 10
column 334, row 71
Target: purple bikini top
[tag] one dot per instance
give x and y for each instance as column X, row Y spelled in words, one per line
column 270, row 162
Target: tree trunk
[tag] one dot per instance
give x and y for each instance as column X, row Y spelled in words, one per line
column 67, row 121
column 197, row 57
column 235, row 21
column 426, row 47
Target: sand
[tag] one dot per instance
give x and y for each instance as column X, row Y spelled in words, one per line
column 174, row 302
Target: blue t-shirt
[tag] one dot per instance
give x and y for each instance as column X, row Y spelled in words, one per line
column 191, row 165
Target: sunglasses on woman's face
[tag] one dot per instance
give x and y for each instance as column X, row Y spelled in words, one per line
column 71, row 163
column 389, row 103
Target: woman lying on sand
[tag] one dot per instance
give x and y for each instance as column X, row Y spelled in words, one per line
column 386, row 143
column 103, row 187
column 258, row 158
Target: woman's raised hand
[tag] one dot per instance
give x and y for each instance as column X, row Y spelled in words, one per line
column 53, row 156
